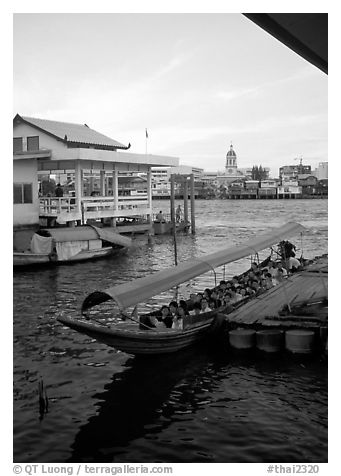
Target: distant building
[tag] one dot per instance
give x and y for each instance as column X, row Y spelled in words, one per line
column 291, row 172
column 161, row 178
column 231, row 169
column 321, row 172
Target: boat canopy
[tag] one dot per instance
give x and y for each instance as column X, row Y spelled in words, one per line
column 85, row 233
column 139, row 290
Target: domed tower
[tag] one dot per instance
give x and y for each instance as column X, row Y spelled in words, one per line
column 231, row 161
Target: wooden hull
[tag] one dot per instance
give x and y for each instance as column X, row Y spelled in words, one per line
column 31, row 259
column 34, row 259
column 128, row 338
column 166, row 227
column 89, row 254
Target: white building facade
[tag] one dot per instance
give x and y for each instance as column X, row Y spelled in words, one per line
column 50, row 148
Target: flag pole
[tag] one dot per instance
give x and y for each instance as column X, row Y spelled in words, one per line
column 146, row 140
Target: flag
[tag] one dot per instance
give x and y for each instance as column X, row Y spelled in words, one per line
column 146, row 134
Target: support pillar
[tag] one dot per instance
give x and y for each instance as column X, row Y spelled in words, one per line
column 185, row 200
column 102, row 183
column 115, row 193
column 172, row 199
column 172, row 210
column 149, row 194
column 78, row 187
column 192, row 204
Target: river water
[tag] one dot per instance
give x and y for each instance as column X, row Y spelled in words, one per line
column 199, row 405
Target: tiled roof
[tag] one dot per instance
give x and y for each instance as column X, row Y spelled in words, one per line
column 76, row 133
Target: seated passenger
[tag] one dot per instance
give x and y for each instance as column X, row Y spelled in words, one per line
column 173, row 308
column 242, row 292
column 207, row 294
column 238, row 295
column 156, row 322
column 196, row 309
column 166, row 316
column 204, row 306
column 293, row 264
column 281, row 269
column 268, row 279
column 178, row 321
column 183, row 305
column 254, row 266
column 193, row 298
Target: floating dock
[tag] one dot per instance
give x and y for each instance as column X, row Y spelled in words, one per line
column 298, row 303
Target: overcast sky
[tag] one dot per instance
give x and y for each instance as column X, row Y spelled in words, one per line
column 195, row 81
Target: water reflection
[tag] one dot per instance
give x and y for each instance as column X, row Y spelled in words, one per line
column 191, row 406
column 143, row 399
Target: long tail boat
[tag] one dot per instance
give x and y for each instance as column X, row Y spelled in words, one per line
column 136, row 337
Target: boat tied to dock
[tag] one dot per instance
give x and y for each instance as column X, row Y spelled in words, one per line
column 53, row 246
column 137, row 337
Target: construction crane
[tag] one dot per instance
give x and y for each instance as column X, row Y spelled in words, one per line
column 300, row 159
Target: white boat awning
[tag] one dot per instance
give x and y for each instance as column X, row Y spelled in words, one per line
column 141, row 289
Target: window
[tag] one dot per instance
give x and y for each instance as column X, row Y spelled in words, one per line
column 22, row 193
column 33, row 143
column 17, row 144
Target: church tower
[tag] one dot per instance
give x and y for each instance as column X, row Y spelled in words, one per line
column 231, row 162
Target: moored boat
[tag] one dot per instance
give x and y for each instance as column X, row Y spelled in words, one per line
column 52, row 246
column 137, row 337
column 166, row 227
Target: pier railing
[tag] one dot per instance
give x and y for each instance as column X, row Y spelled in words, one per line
column 94, row 207
column 53, row 206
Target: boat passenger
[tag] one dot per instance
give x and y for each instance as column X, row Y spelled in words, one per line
column 254, row 266
column 183, row 304
column 196, row 309
column 155, row 322
column 207, row 294
column 178, row 321
column 242, row 292
column 268, row 280
column 282, row 270
column 238, row 295
column 192, row 297
column 204, row 306
column 199, row 297
column 173, row 308
column 166, row 316
column 293, row 264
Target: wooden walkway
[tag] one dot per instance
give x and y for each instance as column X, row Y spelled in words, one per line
column 264, row 310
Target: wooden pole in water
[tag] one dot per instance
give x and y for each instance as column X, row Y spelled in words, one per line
column 172, row 198
column 192, row 204
column 172, row 213
column 185, row 200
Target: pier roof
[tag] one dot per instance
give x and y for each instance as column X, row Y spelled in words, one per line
column 72, row 134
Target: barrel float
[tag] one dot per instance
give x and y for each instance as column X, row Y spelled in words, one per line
column 270, row 340
column 242, row 338
column 300, row 341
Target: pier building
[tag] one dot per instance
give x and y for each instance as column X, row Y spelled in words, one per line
column 100, row 179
